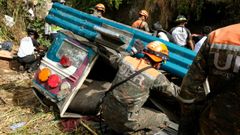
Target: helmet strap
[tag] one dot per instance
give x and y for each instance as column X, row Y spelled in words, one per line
column 141, row 17
column 151, row 62
column 157, row 65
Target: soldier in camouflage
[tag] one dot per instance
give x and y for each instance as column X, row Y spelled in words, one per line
column 219, row 61
column 123, row 107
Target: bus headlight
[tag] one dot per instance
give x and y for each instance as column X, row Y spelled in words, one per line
column 65, row 86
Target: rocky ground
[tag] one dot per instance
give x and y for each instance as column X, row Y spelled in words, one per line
column 20, row 111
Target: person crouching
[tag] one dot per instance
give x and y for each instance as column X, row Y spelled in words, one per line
column 27, row 56
column 123, row 105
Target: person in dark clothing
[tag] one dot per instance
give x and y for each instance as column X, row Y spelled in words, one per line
column 218, row 112
column 158, row 31
column 205, row 31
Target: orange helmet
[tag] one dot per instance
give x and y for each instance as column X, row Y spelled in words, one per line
column 143, row 13
column 100, row 7
column 157, row 51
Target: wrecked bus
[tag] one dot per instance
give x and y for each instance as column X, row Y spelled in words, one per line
column 74, row 66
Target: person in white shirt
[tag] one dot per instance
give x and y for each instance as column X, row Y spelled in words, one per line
column 27, row 56
column 181, row 34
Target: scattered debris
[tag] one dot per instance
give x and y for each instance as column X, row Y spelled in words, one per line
column 87, row 127
column 70, row 125
column 7, row 45
column 17, row 125
column 2, row 102
column 5, row 54
column 9, row 21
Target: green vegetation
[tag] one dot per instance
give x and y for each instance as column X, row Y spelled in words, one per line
column 122, row 11
column 84, row 5
column 18, row 10
column 192, row 8
column 15, row 10
column 38, row 25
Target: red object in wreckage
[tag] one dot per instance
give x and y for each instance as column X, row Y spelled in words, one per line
column 54, row 80
column 70, row 125
column 65, row 61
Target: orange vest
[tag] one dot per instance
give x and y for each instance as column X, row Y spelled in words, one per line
column 229, row 35
column 138, row 24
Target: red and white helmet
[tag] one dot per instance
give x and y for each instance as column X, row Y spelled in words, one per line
column 100, row 7
column 143, row 13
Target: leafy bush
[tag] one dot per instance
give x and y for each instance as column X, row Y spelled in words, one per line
column 84, row 5
column 14, row 9
column 38, row 25
column 18, row 10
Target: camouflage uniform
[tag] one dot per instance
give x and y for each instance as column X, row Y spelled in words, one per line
column 123, row 108
column 219, row 60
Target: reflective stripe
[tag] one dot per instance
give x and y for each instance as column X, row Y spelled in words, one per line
column 226, row 47
column 158, row 54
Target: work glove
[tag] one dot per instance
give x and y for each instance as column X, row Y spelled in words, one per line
column 138, row 47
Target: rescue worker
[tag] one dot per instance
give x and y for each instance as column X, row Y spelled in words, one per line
column 123, row 105
column 182, row 35
column 219, row 61
column 141, row 23
column 99, row 10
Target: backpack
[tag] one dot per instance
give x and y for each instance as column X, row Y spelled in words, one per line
column 170, row 37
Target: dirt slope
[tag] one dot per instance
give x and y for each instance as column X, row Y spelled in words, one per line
column 18, row 104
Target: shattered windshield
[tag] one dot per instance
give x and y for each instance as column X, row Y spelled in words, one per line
column 75, row 53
